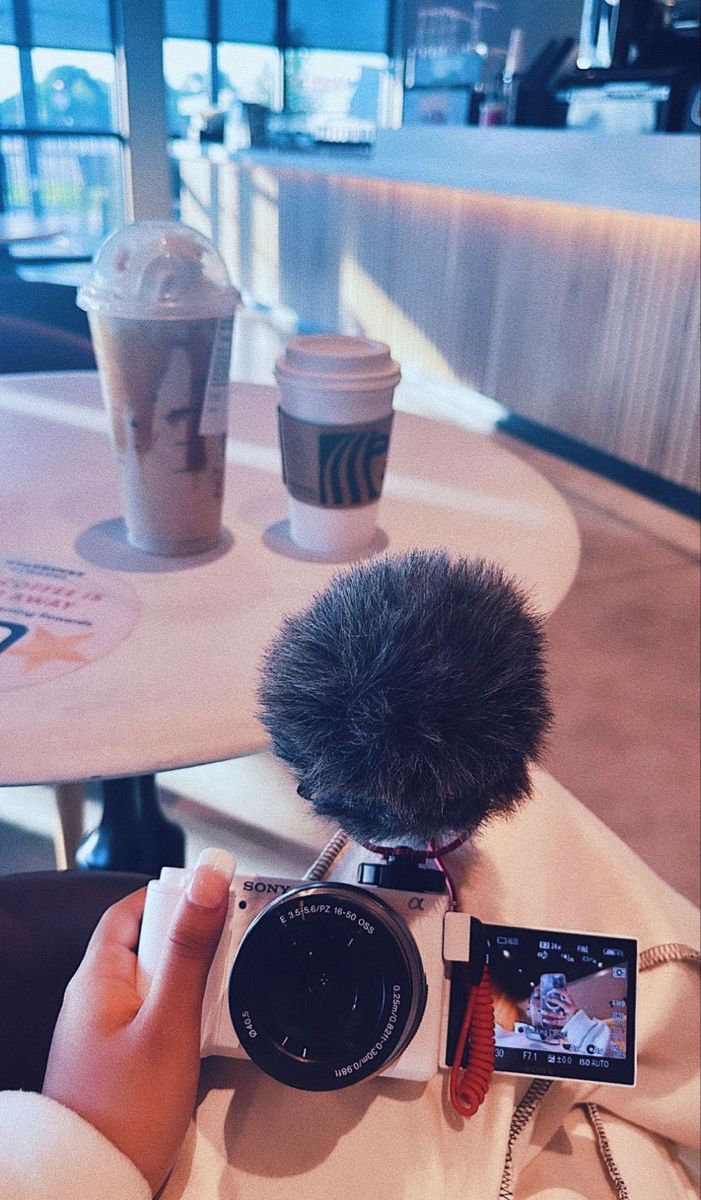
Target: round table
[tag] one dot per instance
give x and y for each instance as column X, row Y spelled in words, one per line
column 179, row 688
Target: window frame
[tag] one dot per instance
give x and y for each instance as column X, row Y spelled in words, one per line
column 137, row 119
column 24, row 45
column 283, row 42
column 31, row 131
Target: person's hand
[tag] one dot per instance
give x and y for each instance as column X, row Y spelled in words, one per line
column 555, row 1019
column 130, row 1067
column 566, row 1007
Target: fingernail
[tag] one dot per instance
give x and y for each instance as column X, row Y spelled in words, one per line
column 212, row 877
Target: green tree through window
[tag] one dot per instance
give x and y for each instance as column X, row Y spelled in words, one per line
column 71, row 97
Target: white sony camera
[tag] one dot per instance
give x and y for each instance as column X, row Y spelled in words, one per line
column 325, row 984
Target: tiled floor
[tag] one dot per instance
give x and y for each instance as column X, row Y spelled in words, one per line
column 624, row 655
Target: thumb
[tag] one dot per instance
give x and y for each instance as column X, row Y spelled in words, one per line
column 180, row 979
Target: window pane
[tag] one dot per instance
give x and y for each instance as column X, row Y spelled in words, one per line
column 17, row 182
column 74, row 90
column 187, row 67
column 80, row 179
column 250, row 73
column 248, row 21
column 79, row 185
column 186, row 18
column 361, row 25
column 75, row 24
column 10, row 92
column 7, row 24
column 331, row 83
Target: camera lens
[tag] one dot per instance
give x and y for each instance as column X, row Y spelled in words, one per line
column 327, row 987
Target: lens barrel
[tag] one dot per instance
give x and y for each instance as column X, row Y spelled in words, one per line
column 327, row 987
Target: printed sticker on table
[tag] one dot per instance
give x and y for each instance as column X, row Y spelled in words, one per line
column 57, row 619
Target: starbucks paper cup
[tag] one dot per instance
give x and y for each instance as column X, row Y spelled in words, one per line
column 335, row 419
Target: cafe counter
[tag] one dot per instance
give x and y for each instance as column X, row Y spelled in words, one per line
column 554, row 271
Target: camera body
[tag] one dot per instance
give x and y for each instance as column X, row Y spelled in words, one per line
column 324, row 984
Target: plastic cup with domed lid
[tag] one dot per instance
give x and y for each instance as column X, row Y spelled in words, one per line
column 335, row 421
column 161, row 308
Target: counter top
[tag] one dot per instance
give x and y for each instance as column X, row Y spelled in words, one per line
column 643, row 173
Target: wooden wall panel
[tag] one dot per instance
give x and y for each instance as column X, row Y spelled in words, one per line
column 582, row 319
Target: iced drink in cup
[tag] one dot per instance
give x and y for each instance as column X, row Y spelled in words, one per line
column 161, row 309
column 335, row 418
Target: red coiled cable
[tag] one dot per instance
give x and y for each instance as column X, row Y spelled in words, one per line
column 469, row 1087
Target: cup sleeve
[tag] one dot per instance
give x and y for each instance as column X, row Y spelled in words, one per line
column 334, row 466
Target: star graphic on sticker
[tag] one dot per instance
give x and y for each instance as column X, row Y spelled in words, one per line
column 45, row 647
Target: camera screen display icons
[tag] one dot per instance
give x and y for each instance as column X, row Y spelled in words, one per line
column 564, row 1003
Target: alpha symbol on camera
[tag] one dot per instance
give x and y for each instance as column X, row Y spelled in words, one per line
column 417, row 902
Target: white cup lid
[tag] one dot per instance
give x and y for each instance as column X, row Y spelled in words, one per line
column 158, row 269
column 337, row 361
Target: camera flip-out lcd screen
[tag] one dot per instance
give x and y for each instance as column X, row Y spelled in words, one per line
column 564, row 1003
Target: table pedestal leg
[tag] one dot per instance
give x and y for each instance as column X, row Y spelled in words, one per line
column 133, row 834
column 69, row 830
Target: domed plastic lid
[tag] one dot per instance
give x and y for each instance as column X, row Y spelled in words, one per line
column 336, row 361
column 158, row 269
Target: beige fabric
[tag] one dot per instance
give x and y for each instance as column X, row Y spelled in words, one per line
column 554, row 865
column 570, row 1167
column 48, row 1152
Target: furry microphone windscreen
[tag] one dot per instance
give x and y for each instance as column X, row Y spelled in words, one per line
column 410, row 697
